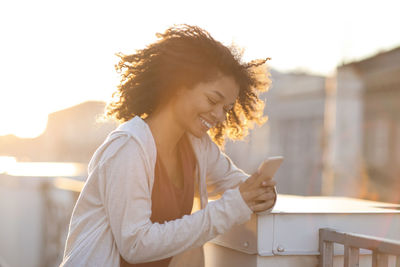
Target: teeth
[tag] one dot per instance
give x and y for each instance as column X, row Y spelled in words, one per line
column 206, row 123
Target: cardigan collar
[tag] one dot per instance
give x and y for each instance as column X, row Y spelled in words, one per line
column 139, row 130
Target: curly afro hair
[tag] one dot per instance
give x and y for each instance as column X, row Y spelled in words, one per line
column 184, row 56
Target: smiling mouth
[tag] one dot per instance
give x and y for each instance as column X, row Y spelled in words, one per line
column 205, row 123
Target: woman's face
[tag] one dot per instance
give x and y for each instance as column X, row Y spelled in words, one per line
column 200, row 108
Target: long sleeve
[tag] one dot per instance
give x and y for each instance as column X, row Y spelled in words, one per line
column 127, row 202
column 222, row 173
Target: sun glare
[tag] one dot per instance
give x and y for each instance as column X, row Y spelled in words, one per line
column 28, row 125
column 7, row 163
column 41, row 169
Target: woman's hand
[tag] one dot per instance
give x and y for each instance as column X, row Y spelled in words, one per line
column 258, row 192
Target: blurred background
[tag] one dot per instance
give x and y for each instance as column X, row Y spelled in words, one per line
column 333, row 107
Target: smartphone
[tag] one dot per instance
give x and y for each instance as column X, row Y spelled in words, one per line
column 270, row 165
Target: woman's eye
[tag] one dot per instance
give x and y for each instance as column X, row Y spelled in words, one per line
column 211, row 101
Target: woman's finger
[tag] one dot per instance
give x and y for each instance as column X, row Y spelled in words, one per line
column 263, row 180
column 263, row 206
column 266, row 197
column 252, row 178
column 268, row 183
column 259, row 194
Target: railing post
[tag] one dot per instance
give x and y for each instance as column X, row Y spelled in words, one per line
column 325, row 250
column 380, row 260
column 351, row 256
column 326, row 258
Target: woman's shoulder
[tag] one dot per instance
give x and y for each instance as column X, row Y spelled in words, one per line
column 129, row 139
column 138, row 132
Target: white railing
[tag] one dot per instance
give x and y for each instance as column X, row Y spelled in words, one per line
column 381, row 248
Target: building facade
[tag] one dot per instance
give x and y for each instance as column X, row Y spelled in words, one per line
column 367, row 133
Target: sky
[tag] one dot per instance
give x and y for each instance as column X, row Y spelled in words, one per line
column 56, row 54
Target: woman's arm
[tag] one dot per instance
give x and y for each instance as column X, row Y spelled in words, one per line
column 222, row 173
column 127, row 201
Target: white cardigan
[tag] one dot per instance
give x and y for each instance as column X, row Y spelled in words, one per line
column 112, row 214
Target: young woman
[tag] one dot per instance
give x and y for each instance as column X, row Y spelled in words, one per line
column 136, row 206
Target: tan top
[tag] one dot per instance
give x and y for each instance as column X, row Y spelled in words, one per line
column 169, row 202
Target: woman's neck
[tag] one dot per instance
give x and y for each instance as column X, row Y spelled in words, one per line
column 166, row 132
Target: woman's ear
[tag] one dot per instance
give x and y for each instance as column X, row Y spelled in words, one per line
column 176, row 95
